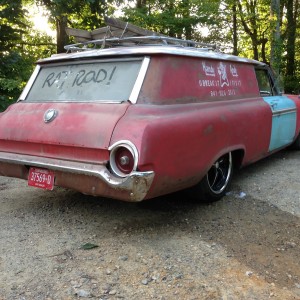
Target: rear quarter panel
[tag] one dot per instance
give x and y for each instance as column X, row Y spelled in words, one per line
column 181, row 142
column 190, row 112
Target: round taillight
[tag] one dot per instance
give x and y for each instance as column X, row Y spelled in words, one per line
column 123, row 158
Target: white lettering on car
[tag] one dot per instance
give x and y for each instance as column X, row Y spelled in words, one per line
column 223, row 74
column 232, row 82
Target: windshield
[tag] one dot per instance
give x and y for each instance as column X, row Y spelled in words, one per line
column 91, row 81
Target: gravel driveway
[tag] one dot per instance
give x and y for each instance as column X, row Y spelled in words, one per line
column 64, row 245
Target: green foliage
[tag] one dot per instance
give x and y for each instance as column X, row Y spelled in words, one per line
column 181, row 19
column 83, row 14
column 292, row 84
column 12, row 27
column 20, row 47
column 11, row 23
column 14, row 71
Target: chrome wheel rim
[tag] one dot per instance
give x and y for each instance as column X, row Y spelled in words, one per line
column 219, row 174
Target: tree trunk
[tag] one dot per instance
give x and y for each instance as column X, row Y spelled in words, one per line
column 234, row 29
column 62, row 38
column 276, row 43
column 291, row 37
column 263, row 43
column 255, row 49
column 141, row 3
column 250, row 27
column 186, row 15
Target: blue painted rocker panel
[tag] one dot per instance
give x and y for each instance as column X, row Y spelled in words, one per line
column 284, row 115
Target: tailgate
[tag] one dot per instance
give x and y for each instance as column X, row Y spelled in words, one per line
column 79, row 126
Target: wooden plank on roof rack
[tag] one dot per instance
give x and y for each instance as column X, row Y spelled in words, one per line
column 118, row 33
column 85, row 35
column 100, row 33
column 129, row 27
column 80, row 35
column 115, row 28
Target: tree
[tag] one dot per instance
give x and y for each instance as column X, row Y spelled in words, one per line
column 234, row 29
column 276, row 41
column 291, row 80
column 86, row 14
column 19, row 49
column 180, row 19
column 253, row 15
column 12, row 66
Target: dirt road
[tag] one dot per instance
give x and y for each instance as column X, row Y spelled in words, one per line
column 246, row 246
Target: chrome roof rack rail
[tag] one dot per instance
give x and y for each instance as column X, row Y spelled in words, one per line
column 119, row 34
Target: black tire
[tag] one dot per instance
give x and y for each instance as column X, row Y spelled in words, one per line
column 215, row 183
column 296, row 144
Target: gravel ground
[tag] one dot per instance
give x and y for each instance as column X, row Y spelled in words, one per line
column 246, row 246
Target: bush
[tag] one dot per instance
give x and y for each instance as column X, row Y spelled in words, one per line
column 292, row 85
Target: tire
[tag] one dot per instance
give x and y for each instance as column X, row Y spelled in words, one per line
column 296, row 144
column 215, row 183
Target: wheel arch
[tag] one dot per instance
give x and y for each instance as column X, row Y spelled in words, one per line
column 237, row 158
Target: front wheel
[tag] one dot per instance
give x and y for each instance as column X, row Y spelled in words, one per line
column 213, row 186
column 296, row 144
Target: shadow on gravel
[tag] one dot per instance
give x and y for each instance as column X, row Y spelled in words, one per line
column 258, row 235
column 2, row 186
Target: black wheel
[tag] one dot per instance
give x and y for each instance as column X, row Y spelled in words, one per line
column 296, row 144
column 213, row 186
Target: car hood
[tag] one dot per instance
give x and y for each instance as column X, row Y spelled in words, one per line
column 75, row 125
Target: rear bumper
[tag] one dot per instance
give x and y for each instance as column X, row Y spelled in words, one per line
column 87, row 178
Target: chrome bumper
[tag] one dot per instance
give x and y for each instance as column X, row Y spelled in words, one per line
column 137, row 184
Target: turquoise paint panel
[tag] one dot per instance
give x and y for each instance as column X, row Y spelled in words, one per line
column 283, row 121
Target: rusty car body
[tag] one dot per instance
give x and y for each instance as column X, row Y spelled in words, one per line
column 134, row 122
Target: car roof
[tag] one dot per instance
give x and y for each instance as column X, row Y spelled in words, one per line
column 148, row 50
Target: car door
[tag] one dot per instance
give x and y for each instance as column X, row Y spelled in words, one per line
column 283, row 110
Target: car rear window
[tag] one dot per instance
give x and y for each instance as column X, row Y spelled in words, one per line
column 89, row 81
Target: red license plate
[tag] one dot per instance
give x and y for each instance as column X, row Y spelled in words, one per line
column 41, row 178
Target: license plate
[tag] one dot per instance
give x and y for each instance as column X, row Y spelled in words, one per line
column 41, row 178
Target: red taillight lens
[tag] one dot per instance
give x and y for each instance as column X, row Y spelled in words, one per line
column 124, row 160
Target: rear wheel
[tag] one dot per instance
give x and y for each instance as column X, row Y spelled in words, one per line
column 214, row 185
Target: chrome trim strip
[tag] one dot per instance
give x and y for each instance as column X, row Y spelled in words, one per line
column 93, row 60
column 90, row 101
column 150, row 50
column 29, row 83
column 284, row 111
column 137, row 183
column 139, row 81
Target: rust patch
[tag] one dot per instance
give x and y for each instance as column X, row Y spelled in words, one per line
column 208, row 130
column 223, row 118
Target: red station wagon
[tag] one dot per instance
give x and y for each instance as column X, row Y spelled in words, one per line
column 141, row 117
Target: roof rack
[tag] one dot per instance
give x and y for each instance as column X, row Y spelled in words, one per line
column 118, row 33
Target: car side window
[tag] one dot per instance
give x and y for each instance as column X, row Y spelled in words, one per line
column 264, row 82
